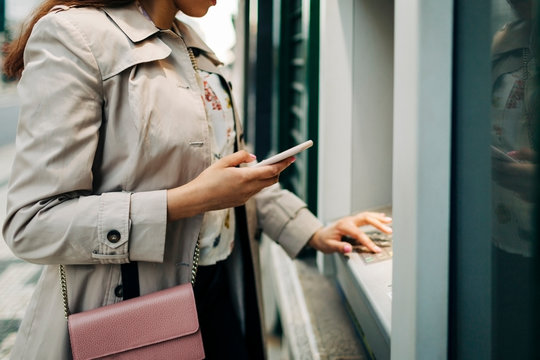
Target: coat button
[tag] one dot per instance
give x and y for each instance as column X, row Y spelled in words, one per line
column 119, row 291
column 114, row 236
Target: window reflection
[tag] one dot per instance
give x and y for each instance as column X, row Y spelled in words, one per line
column 514, row 159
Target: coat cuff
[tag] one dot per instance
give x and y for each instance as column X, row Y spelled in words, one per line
column 148, row 226
column 113, row 229
column 298, row 231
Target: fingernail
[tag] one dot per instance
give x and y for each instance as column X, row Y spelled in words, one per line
column 253, row 156
column 377, row 249
column 347, row 248
column 389, row 229
column 293, row 160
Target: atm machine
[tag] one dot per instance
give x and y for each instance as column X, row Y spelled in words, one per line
column 384, row 145
column 363, row 95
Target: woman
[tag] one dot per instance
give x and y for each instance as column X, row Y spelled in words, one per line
column 129, row 150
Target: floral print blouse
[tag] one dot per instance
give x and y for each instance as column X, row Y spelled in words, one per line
column 217, row 232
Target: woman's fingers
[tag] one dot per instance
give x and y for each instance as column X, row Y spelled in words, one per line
column 253, row 173
column 239, row 157
column 273, row 170
column 232, row 184
column 329, row 238
column 363, row 217
column 223, row 185
column 378, row 220
column 332, row 246
column 379, row 225
column 350, row 229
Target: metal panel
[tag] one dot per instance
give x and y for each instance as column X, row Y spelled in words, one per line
column 367, row 290
column 421, row 178
column 336, row 94
column 372, row 117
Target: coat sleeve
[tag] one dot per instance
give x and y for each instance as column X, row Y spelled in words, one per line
column 285, row 218
column 53, row 214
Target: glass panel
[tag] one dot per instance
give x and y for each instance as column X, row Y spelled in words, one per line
column 514, row 148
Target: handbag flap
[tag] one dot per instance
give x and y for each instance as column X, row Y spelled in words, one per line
column 134, row 323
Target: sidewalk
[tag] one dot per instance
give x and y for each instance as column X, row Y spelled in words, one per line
column 17, row 278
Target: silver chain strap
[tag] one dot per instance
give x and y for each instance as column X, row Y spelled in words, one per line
column 197, row 253
column 63, row 278
column 196, row 257
column 193, row 59
column 63, row 284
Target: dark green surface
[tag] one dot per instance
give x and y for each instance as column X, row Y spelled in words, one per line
column 473, row 272
column 470, row 274
column 2, row 15
column 297, row 91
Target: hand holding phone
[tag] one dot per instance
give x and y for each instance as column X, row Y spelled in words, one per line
column 285, row 154
column 501, row 155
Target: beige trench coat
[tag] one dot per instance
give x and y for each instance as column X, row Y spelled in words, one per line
column 107, row 124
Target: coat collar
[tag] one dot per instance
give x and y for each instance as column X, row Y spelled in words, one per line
column 132, row 23
column 193, row 40
column 138, row 28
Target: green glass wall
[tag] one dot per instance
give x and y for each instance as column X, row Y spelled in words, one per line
column 282, row 86
column 297, row 91
column 494, row 249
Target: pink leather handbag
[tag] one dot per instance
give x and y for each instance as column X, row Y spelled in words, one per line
column 161, row 325
column 158, row 326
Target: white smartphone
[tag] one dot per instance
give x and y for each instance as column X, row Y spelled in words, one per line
column 501, row 155
column 285, row 154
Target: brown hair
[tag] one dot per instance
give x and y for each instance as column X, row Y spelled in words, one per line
column 13, row 61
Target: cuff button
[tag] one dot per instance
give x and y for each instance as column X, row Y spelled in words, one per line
column 114, row 236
